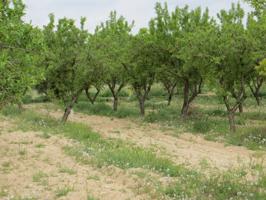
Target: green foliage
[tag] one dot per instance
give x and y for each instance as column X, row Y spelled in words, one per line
column 110, row 46
column 261, row 68
column 20, row 44
column 69, row 66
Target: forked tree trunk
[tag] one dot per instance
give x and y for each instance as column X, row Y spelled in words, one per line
column 115, row 94
column 92, row 99
column 170, row 88
column 231, row 114
column 170, row 96
column 255, row 89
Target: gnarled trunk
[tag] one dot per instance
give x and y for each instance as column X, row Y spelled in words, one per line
column 70, row 107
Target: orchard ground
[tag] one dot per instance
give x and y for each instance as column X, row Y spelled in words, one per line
column 101, row 154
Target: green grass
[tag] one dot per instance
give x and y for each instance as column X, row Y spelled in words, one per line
column 106, row 110
column 91, row 197
column 67, row 170
column 220, row 186
column 40, row 177
column 63, row 191
column 251, row 137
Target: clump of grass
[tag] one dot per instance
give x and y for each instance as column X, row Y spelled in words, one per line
column 44, row 135
column 11, row 111
column 22, row 152
column 96, row 178
column 97, row 108
column 255, row 115
column 67, row 170
column 40, row 177
column 64, row 191
column 205, row 125
column 6, row 167
column 39, row 146
column 3, row 192
column 229, row 185
column 252, row 137
column 163, row 114
column 106, row 110
column 91, row 198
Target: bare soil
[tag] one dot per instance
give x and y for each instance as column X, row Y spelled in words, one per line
column 35, row 167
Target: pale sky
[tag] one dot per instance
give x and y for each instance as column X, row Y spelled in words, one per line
column 97, row 11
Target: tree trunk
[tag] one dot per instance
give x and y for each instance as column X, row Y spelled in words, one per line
column 115, row 103
column 69, row 108
column 257, row 99
column 185, row 107
column 142, row 105
column 241, row 108
column 231, row 118
column 170, row 99
column 200, row 86
column 20, row 106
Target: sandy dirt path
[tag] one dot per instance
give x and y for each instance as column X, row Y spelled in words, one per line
column 187, row 148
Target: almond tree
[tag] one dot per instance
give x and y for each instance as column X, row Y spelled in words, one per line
column 174, row 32
column 110, row 45
column 256, row 28
column 70, row 62
column 143, row 62
column 234, row 58
column 165, row 31
column 195, row 27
